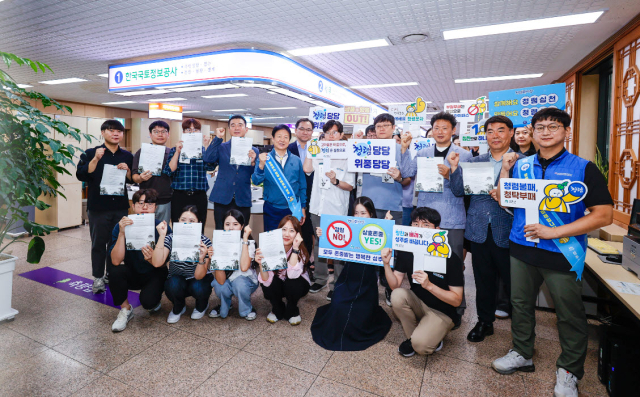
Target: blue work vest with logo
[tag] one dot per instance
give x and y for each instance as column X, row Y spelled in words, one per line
column 566, row 166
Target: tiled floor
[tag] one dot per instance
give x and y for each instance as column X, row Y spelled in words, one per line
column 62, row 344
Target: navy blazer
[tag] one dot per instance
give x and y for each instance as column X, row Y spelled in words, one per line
column 293, row 148
column 482, row 208
column 233, row 180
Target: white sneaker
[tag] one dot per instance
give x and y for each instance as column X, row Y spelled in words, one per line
column 440, row 346
column 501, row 314
column 272, row 318
column 174, row 318
column 122, row 320
column 251, row 316
column 98, row 286
column 511, row 363
column 215, row 312
column 196, row 315
column 295, row 320
column 566, row 384
column 155, row 309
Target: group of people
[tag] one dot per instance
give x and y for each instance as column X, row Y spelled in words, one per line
column 503, row 258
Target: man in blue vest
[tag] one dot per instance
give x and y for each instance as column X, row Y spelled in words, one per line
column 545, row 261
column 233, row 184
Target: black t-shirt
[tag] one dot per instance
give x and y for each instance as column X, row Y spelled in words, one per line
column 597, row 194
column 437, row 153
column 454, row 277
column 161, row 184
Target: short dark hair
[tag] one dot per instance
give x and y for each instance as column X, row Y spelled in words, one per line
column 193, row 209
column 498, row 119
column 369, row 129
column 186, row 124
column 329, row 125
column 444, row 116
column 112, row 125
column 426, row 214
column 381, row 118
column 237, row 117
column 367, row 203
column 553, row 114
column 304, row 120
column 150, row 196
column 454, row 137
column 158, row 123
column 280, row 127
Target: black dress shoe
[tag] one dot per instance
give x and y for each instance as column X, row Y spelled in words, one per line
column 481, row 330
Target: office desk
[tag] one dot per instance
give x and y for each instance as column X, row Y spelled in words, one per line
column 605, row 271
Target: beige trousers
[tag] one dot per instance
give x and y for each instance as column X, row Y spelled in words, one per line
column 425, row 327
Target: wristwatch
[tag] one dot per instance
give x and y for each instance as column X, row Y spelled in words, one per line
column 295, row 251
column 246, row 243
column 337, row 182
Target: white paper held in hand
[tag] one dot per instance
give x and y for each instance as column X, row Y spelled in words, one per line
column 240, row 147
column 141, row 233
column 113, row 180
column 185, row 243
column 272, row 248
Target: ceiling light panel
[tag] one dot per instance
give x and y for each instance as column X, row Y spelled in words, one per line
column 229, row 110
column 384, row 85
column 499, row 78
column 339, row 47
column 523, row 26
column 117, row 102
column 282, row 108
column 166, row 99
column 62, row 81
column 223, row 96
column 137, row 93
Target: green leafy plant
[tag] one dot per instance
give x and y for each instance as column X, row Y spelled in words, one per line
column 602, row 165
column 30, row 157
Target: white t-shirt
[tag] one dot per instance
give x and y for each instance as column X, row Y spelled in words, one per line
column 251, row 273
column 331, row 201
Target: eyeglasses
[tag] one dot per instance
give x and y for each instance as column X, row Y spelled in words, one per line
column 383, row 126
column 143, row 203
column 190, row 130
column 333, row 133
column 159, row 132
column 304, row 129
column 551, row 128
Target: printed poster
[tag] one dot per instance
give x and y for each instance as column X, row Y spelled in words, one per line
column 371, row 155
column 521, row 104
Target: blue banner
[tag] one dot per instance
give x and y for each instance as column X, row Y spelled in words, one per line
column 569, row 246
column 285, row 188
column 352, row 239
column 522, row 103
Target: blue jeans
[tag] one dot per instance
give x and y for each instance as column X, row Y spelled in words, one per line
column 406, row 216
column 272, row 216
column 177, row 288
column 242, row 287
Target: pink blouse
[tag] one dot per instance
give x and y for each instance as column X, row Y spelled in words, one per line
column 292, row 272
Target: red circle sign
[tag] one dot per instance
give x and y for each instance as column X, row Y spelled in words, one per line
column 339, row 234
column 473, row 110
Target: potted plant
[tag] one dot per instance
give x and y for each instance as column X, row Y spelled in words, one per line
column 30, row 158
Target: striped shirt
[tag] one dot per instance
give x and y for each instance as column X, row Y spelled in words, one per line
column 184, row 269
column 191, row 176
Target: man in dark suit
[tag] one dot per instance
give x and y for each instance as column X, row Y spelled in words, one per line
column 304, row 130
column 488, row 228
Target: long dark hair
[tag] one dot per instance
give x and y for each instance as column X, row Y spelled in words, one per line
column 367, row 203
column 304, row 254
column 234, row 213
column 194, row 210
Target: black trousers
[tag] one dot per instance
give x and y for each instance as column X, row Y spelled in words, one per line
column 291, row 288
column 124, row 277
column 101, row 224
column 489, row 261
column 177, row 289
column 182, row 198
column 220, row 209
column 307, row 233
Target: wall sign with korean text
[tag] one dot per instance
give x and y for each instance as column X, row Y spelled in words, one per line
column 354, row 239
column 371, row 155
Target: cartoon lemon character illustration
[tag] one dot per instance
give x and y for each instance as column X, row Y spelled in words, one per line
column 556, row 199
column 314, row 149
column 417, row 107
column 438, row 245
